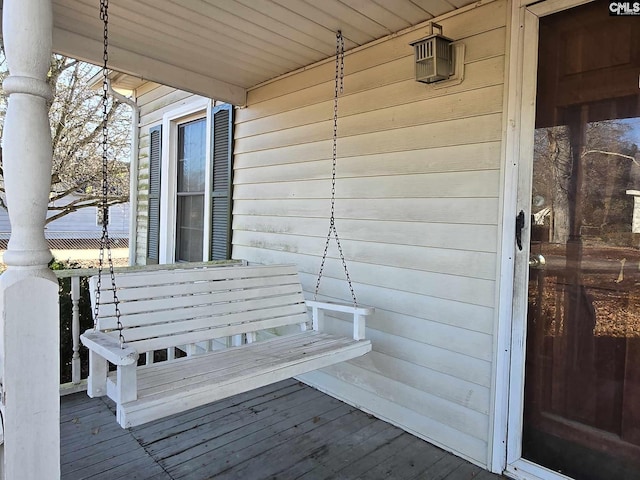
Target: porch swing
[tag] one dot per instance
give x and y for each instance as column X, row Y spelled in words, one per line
column 192, row 313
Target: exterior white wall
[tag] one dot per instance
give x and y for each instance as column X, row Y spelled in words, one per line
column 154, row 101
column 418, row 214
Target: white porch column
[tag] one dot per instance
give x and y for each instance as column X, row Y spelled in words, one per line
column 29, row 347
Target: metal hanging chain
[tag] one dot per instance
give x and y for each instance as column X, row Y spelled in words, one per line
column 105, row 241
column 339, row 88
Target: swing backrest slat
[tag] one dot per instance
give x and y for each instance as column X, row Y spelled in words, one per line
column 199, row 304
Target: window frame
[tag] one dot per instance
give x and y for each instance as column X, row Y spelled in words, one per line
column 194, row 110
column 182, row 195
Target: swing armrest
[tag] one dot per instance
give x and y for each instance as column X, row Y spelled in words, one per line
column 340, row 307
column 108, row 348
column 359, row 313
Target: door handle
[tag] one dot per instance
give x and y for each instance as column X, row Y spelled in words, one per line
column 519, row 227
column 537, row 261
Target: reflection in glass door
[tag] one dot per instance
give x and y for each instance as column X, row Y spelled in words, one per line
column 582, row 380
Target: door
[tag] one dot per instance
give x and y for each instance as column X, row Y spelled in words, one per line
column 581, row 398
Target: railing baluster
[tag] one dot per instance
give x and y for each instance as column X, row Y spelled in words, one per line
column 75, row 330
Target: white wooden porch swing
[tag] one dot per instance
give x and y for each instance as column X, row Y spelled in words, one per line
column 191, row 312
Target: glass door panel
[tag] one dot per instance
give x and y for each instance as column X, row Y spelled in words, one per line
column 582, row 380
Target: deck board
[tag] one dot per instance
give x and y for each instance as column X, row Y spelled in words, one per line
column 283, row 431
column 300, row 444
column 233, row 455
column 156, row 431
column 337, row 452
column 444, row 467
column 239, row 436
column 328, row 465
column 407, row 464
column 384, row 454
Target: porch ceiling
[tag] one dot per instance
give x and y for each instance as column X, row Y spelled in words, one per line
column 220, row 48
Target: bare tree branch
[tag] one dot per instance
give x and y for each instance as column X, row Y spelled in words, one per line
column 75, row 206
column 619, row 155
column 68, row 191
column 75, row 115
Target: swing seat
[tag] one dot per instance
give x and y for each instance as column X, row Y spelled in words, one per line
column 195, row 314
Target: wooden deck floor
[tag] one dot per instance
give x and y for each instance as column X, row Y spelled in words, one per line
column 283, row 431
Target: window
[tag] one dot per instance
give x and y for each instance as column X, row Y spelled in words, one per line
column 190, row 190
column 190, row 185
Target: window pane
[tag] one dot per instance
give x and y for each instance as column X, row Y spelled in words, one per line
column 191, row 156
column 189, row 231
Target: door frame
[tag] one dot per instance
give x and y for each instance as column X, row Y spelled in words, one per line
column 506, row 448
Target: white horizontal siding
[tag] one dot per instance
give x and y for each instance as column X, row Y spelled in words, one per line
column 431, row 185
column 417, row 212
column 455, row 158
column 479, row 238
column 463, row 263
column 477, row 129
column 475, row 211
column 449, row 299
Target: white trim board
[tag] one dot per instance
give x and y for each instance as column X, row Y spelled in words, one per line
column 126, row 61
column 526, row 470
column 512, row 306
column 506, row 261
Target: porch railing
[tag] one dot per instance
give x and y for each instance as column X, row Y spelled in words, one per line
column 76, row 290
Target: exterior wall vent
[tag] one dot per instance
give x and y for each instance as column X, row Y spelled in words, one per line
column 433, row 57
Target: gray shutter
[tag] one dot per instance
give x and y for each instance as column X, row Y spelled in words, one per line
column 222, row 136
column 153, row 227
